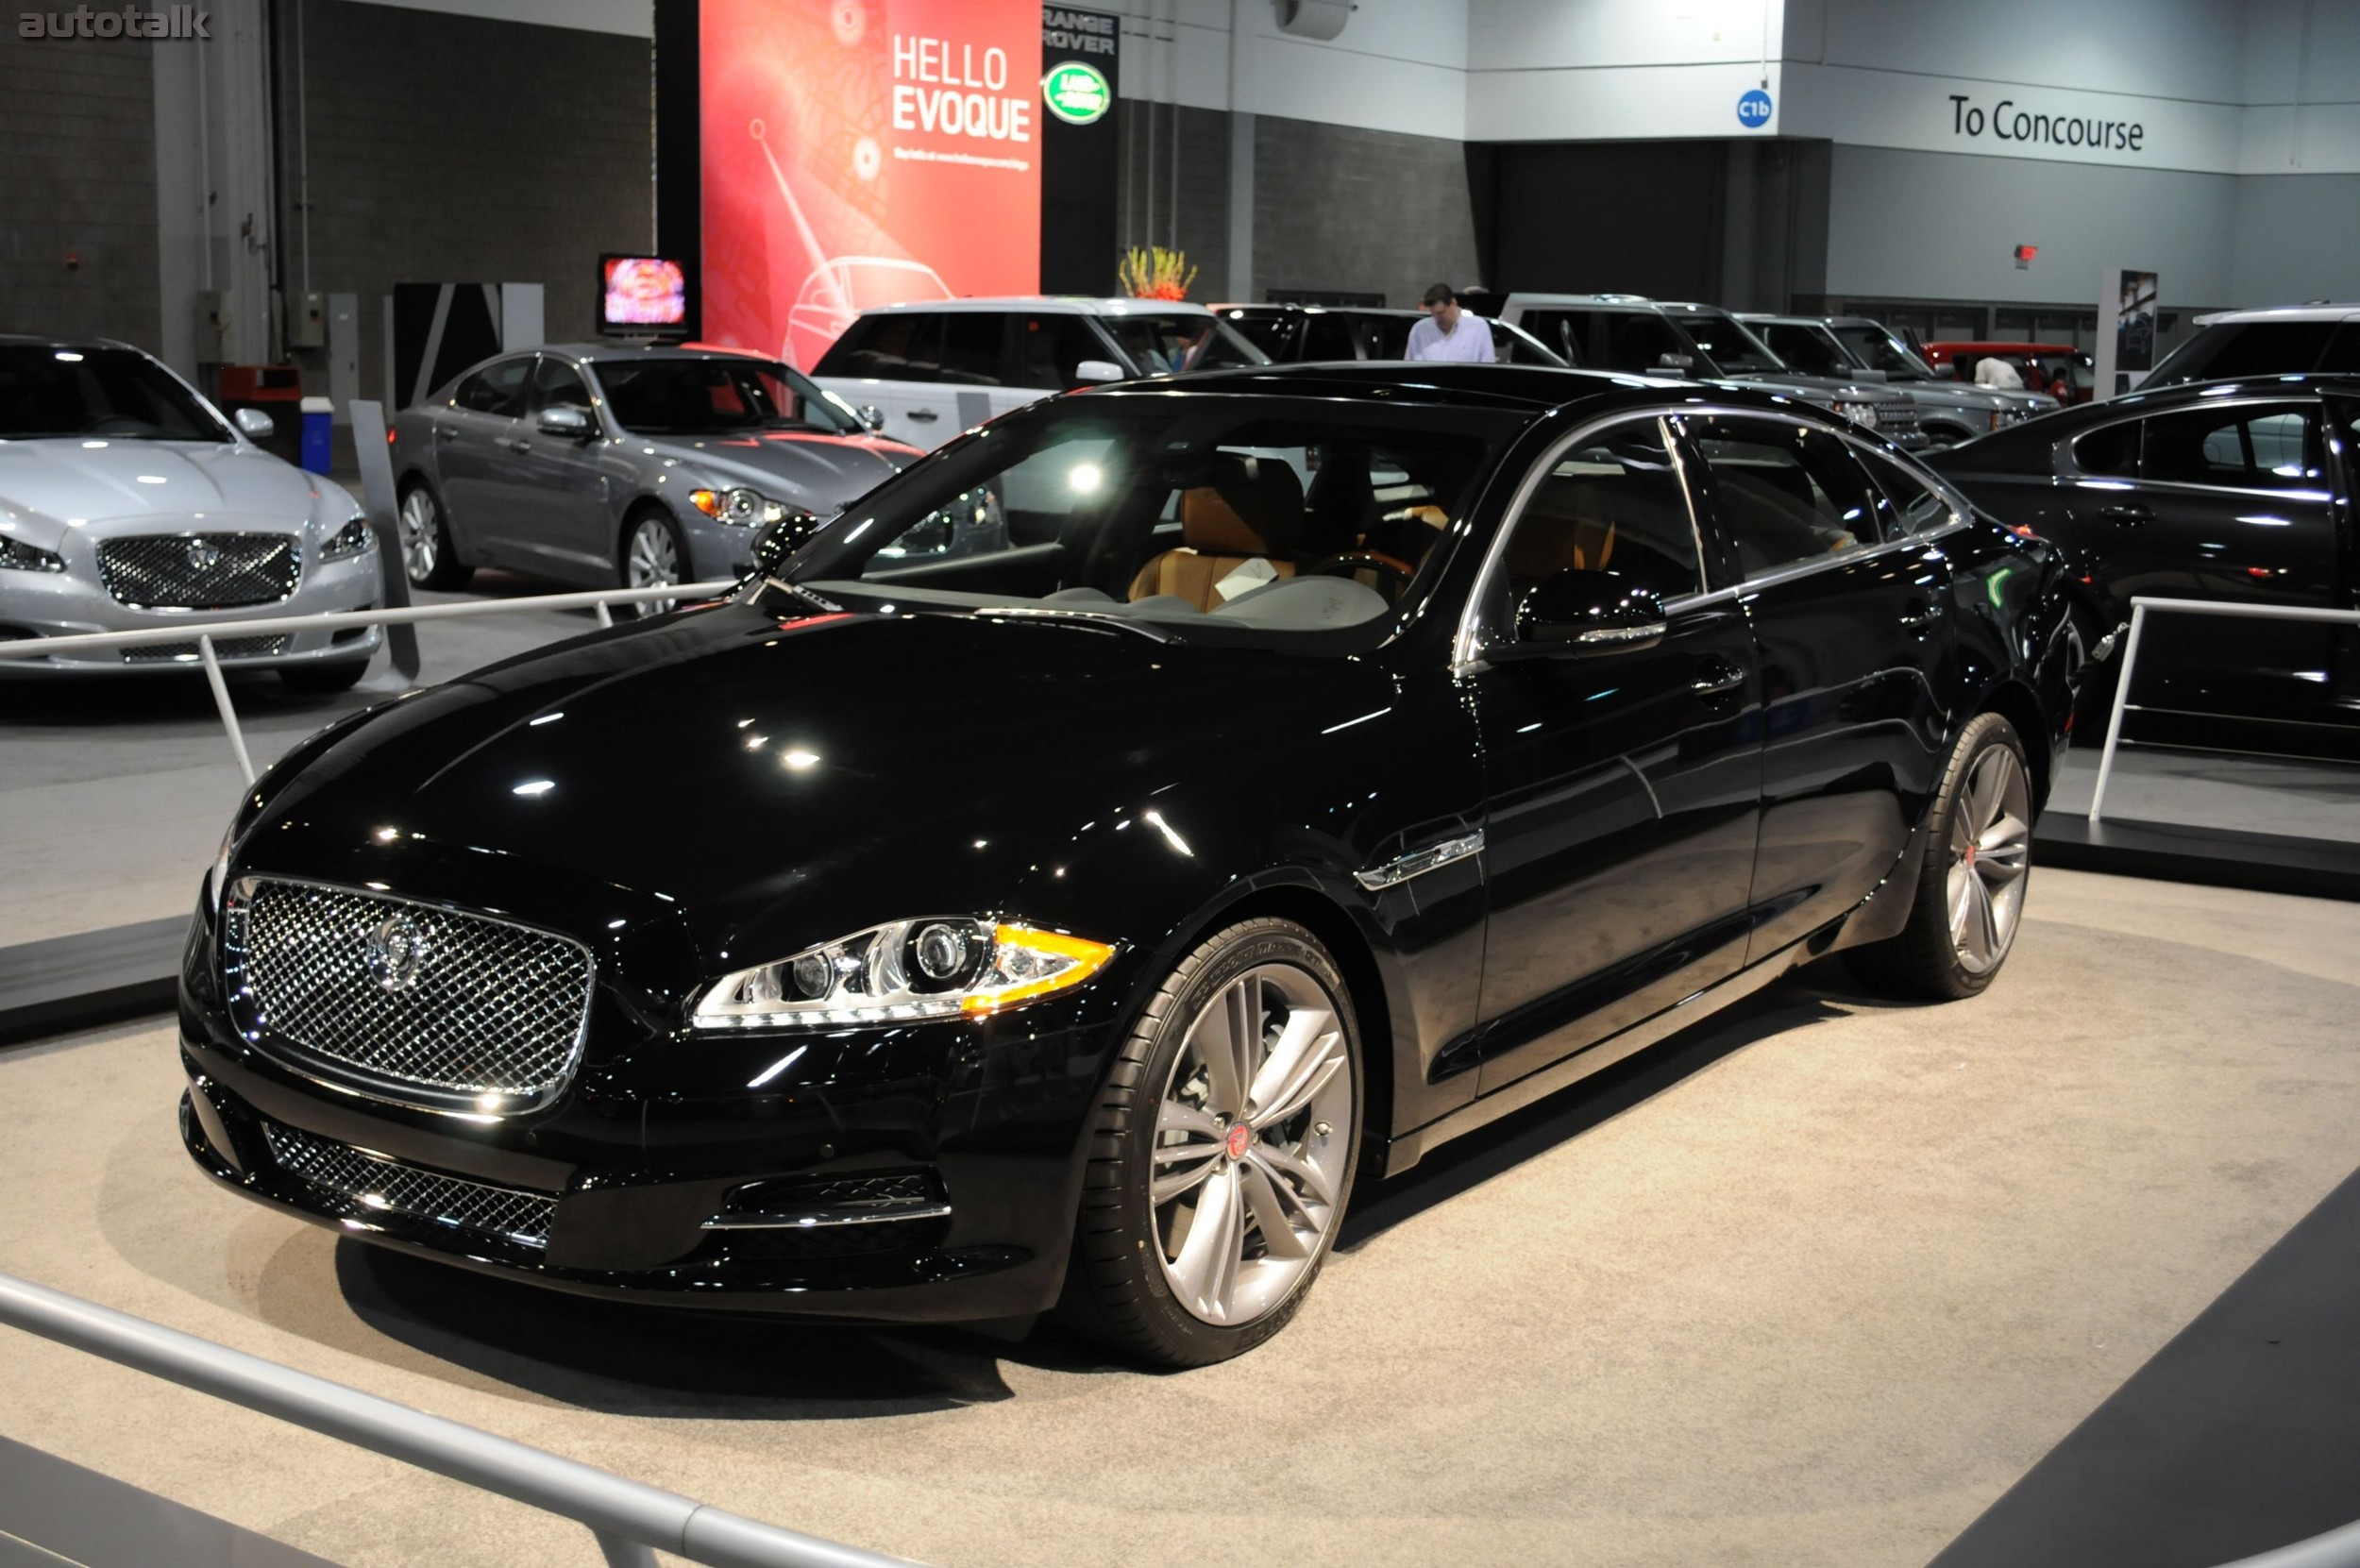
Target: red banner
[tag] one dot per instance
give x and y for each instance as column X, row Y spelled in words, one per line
column 861, row 152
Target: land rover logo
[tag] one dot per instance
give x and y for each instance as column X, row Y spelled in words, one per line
column 1076, row 93
column 204, row 555
column 394, row 953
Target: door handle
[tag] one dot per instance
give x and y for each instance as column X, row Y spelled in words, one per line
column 1921, row 614
column 924, row 417
column 1715, row 676
column 444, row 432
column 2129, row 513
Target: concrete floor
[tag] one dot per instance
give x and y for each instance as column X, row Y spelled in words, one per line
column 115, row 790
column 2292, row 797
column 1811, row 1284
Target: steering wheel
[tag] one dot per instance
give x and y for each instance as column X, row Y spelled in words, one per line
column 1394, row 574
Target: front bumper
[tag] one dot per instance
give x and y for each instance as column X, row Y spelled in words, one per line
column 680, row 1172
column 72, row 602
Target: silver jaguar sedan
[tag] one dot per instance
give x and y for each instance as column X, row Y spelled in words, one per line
column 605, row 463
column 127, row 502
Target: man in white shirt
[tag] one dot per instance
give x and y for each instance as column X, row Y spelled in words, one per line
column 1450, row 333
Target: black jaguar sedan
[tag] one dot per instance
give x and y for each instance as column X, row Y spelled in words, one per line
column 1357, row 754
column 2236, row 492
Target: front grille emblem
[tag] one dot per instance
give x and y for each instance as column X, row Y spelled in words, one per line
column 395, row 954
column 204, row 555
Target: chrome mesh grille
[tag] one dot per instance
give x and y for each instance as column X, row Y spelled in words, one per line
column 390, row 1186
column 224, row 648
column 198, row 571
column 420, row 1002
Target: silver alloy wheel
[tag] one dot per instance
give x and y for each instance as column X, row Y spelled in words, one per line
column 1252, row 1132
column 1991, row 841
column 651, row 561
column 421, row 535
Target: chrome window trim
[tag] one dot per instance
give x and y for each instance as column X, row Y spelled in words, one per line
column 362, row 1083
column 2312, row 404
column 1468, row 644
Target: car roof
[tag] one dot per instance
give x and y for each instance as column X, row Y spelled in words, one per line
column 2078, row 417
column 1952, row 345
column 1807, row 321
column 1534, row 389
column 1050, row 304
column 2316, row 309
column 614, row 348
column 34, row 340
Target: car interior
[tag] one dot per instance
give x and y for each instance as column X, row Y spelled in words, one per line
column 1272, row 522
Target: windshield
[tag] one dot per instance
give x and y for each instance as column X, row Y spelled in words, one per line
column 50, row 391
column 1190, row 515
column 1878, row 350
column 1729, row 349
column 1162, row 344
column 720, row 397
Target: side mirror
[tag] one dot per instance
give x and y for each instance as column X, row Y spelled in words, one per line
column 254, row 423
column 1676, row 362
column 1582, row 611
column 778, row 540
column 1099, row 370
column 1946, row 371
column 871, row 417
column 567, row 423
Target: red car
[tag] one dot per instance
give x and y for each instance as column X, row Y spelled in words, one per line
column 2059, row 369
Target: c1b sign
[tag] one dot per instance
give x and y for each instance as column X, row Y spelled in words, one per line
column 1753, row 109
column 859, row 153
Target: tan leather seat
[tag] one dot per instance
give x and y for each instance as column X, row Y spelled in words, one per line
column 1252, row 511
column 1573, row 531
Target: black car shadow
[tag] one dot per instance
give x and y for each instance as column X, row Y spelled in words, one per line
column 628, row 1359
column 1817, row 994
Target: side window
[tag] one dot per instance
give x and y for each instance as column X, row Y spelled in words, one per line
column 1273, row 335
column 2111, row 451
column 1785, row 493
column 1327, row 336
column 1802, row 348
column 1639, row 342
column 1567, row 331
column 497, row 389
column 556, row 383
column 2270, row 447
column 1615, row 504
column 1917, row 506
column 901, row 347
column 972, row 343
column 1049, row 348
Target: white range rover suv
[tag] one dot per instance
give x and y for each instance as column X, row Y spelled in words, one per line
column 932, row 368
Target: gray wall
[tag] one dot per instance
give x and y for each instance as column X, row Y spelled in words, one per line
column 2296, row 237
column 1941, row 226
column 448, row 148
column 1369, row 210
column 78, row 123
column 1143, row 207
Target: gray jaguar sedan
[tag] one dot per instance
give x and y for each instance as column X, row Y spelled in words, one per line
column 127, row 502
column 604, row 464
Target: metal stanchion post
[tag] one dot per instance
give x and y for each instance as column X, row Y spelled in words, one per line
column 221, row 700
column 383, row 507
column 2122, row 700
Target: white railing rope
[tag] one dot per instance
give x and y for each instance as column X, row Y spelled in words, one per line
column 2139, row 607
column 205, row 632
column 629, row 1517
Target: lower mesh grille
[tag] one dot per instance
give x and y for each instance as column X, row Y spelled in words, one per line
column 389, row 1187
column 186, row 654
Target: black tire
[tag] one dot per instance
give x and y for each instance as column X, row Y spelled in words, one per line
column 420, row 506
column 1926, row 960
column 324, row 680
column 1117, row 1289
column 648, row 517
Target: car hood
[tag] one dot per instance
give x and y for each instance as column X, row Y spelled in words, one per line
column 48, row 486
column 773, row 783
column 1864, row 392
column 819, row 472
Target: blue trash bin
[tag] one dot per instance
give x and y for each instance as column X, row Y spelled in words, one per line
column 319, row 420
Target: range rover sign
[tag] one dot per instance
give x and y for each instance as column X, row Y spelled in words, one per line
column 1075, row 93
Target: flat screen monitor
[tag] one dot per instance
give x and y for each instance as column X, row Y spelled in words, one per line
column 642, row 296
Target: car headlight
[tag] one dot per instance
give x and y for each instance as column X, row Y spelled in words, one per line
column 348, row 541
column 741, row 507
column 1859, row 413
column 936, row 967
column 16, row 555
